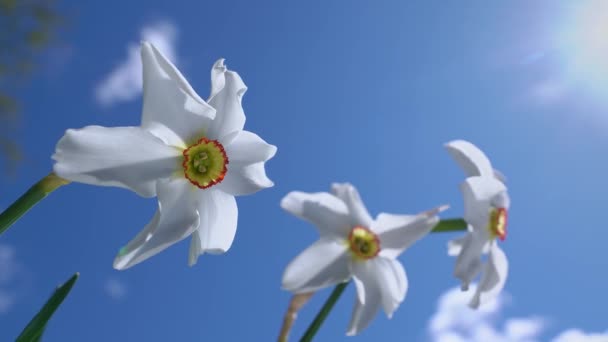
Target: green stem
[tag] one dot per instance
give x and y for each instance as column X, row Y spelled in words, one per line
column 329, row 304
column 32, row 196
column 450, row 225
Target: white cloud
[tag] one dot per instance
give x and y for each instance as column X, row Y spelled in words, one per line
column 9, row 267
column 575, row 335
column 8, row 264
column 454, row 321
column 124, row 83
column 115, row 288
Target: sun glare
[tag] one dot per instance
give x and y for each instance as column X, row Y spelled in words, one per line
column 584, row 43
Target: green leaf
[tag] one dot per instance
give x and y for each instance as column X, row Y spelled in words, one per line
column 450, row 225
column 33, row 331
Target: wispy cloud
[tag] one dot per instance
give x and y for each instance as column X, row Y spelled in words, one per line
column 124, row 83
column 549, row 92
column 454, row 321
column 6, row 301
column 575, row 335
column 115, row 288
column 9, row 267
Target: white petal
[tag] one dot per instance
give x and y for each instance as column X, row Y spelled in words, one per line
column 478, row 193
column 249, row 148
column 218, row 81
column 227, row 90
column 127, row 157
column 393, row 283
column 349, row 194
column 327, row 212
column 218, row 214
column 323, row 264
column 175, row 219
column 455, row 245
column 399, row 232
column 493, row 278
column 363, row 314
column 369, row 296
column 468, row 263
column 247, row 155
column 387, row 275
column 500, row 176
column 245, row 179
column 470, row 158
column 501, row 200
column 172, row 110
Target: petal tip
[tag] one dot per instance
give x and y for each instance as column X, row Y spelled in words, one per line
column 454, row 143
column 290, row 203
column 272, row 152
column 119, row 264
column 219, row 64
column 352, row 332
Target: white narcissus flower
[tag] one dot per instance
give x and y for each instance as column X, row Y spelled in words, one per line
column 194, row 155
column 486, row 204
column 352, row 244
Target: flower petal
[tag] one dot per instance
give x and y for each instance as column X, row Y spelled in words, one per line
column 468, row 263
column 369, row 295
column 363, row 314
column 227, row 90
column 218, row 221
column 175, row 219
column 327, row 212
column 455, row 245
column 127, row 157
column 479, row 194
column 249, row 148
column 245, row 179
column 493, row 278
column 470, row 158
column 246, row 172
column 399, row 232
column 323, row 264
column 171, row 110
column 358, row 212
column 387, row 275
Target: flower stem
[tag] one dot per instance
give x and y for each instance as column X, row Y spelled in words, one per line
column 32, row 196
column 450, row 225
column 329, row 304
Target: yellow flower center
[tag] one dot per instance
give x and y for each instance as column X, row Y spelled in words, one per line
column 205, row 163
column 498, row 223
column 363, row 244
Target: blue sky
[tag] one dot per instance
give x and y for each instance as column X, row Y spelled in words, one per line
column 359, row 91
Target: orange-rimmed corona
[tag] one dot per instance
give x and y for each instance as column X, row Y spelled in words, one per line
column 498, row 223
column 363, row 243
column 205, row 163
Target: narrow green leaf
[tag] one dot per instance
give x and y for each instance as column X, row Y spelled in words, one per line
column 32, row 196
column 33, row 331
column 450, row 225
